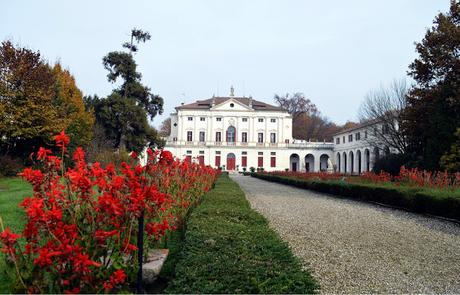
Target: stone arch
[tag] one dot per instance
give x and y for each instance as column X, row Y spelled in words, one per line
column 359, row 162
column 310, row 163
column 386, row 151
column 338, row 163
column 323, row 159
column 367, row 160
column 294, row 162
column 351, row 167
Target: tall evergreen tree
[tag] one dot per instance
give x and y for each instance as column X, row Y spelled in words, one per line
column 432, row 115
column 125, row 112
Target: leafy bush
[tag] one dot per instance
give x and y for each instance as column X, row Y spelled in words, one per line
column 408, row 198
column 110, row 156
column 252, row 169
column 390, row 163
column 10, row 166
column 229, row 248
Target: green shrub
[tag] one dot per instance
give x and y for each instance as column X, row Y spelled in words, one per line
column 229, row 248
column 10, row 166
column 390, row 163
column 411, row 199
column 110, row 156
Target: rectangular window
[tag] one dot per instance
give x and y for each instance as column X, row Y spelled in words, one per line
column 218, row 136
column 202, row 119
column 202, row 136
column 261, row 120
column 244, row 161
column 217, row 161
column 260, row 137
column 260, row 162
column 245, row 119
column 350, row 138
column 365, row 134
column 273, row 162
column 190, row 118
column 201, row 160
column 273, row 153
column 273, row 120
column 260, row 153
column 343, row 139
column 201, row 152
column 244, row 153
column 218, row 119
column 358, row 136
column 337, row 140
column 244, row 137
column 272, row 137
column 189, row 136
column 189, row 152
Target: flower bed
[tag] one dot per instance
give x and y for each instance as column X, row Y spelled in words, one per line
column 81, row 223
column 436, row 198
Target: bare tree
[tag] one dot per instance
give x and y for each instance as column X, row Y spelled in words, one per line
column 382, row 108
column 165, row 128
column 296, row 104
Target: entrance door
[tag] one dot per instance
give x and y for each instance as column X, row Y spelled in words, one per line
column 294, row 166
column 231, row 161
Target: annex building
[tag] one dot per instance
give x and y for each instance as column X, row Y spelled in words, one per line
column 237, row 133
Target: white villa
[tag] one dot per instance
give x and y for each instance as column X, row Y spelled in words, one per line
column 236, row 133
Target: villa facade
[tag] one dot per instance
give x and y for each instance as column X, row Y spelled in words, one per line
column 237, row 133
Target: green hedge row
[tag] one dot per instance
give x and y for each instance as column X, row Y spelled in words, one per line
column 410, row 199
column 229, row 248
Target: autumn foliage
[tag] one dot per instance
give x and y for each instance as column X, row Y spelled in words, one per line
column 81, row 223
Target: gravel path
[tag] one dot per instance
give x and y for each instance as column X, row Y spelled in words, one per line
column 354, row 247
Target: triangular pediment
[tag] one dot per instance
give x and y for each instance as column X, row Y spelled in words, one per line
column 231, row 105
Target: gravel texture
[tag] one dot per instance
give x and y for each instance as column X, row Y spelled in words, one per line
column 355, row 247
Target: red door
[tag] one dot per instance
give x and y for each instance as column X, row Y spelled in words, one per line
column 201, row 160
column 231, row 161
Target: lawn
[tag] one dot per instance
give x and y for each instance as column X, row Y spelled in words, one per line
column 12, row 192
column 229, row 248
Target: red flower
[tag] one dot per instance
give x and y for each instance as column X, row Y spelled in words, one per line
column 62, row 140
column 118, row 277
column 8, row 239
column 43, row 153
column 133, row 155
column 166, row 156
column 79, row 155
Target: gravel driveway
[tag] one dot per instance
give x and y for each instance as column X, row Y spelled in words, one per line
column 354, row 247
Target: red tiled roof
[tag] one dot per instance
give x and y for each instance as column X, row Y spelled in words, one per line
column 207, row 103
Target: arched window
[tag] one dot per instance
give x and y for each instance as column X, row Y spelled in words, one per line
column 231, row 131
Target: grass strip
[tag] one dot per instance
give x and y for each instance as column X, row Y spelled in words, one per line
column 407, row 198
column 12, row 192
column 229, row 248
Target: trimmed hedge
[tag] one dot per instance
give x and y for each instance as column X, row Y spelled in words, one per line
column 410, row 199
column 229, row 248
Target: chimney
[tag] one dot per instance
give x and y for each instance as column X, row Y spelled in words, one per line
column 250, row 101
column 213, row 103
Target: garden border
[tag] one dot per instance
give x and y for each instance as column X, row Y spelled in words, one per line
column 407, row 199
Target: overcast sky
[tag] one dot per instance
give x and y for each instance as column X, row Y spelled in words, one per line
column 333, row 51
